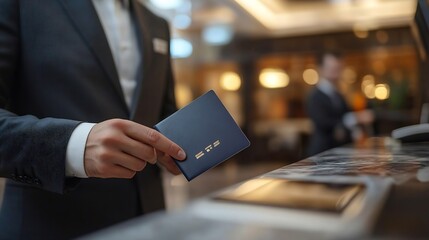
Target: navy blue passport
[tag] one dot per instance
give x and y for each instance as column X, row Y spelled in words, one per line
column 207, row 133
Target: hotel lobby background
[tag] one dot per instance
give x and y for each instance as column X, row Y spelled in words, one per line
column 263, row 70
column 262, row 65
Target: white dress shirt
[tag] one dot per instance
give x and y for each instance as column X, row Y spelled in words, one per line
column 120, row 32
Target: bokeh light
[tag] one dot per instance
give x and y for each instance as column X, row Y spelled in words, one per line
column 310, row 76
column 273, row 78
column 230, row 81
column 382, row 91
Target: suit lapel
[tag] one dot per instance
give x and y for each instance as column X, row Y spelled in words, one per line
column 149, row 92
column 85, row 18
column 147, row 102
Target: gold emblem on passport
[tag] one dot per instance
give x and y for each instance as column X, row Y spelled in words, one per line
column 207, row 149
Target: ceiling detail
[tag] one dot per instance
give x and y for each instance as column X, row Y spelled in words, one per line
column 292, row 17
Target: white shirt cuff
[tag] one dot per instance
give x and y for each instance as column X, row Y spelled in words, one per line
column 350, row 120
column 76, row 150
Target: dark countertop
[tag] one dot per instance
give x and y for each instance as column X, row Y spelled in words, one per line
column 406, row 211
column 404, row 214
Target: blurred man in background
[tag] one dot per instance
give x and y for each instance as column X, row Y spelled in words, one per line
column 334, row 122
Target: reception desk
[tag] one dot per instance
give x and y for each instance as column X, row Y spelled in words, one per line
column 393, row 201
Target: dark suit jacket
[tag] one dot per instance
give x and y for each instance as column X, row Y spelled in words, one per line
column 56, row 70
column 326, row 117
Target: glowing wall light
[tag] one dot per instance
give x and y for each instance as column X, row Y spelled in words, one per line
column 382, row 91
column 273, row 78
column 310, row 76
column 360, row 31
column 368, row 86
column 230, row 81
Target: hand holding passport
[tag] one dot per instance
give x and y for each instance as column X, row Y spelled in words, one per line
column 207, row 133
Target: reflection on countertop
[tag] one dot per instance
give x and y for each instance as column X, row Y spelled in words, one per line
column 378, row 156
column 179, row 192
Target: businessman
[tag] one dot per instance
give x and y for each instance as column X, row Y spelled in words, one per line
column 81, row 83
column 333, row 120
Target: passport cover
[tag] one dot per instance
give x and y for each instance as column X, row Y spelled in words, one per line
column 206, row 132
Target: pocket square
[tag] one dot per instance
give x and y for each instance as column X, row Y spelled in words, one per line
column 160, row 46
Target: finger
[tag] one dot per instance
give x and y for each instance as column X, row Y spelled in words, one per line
column 127, row 161
column 156, row 140
column 168, row 163
column 139, row 150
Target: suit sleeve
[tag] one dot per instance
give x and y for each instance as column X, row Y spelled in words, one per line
column 169, row 106
column 32, row 150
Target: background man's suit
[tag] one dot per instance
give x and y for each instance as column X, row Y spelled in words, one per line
column 56, row 70
column 326, row 113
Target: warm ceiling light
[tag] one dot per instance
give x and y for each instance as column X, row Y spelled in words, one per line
column 273, row 78
column 382, row 91
column 260, row 11
column 291, row 18
column 310, row 76
column 360, row 31
column 230, row 81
